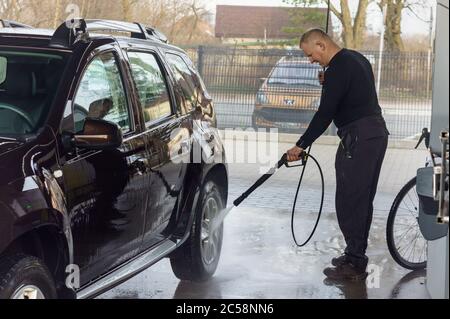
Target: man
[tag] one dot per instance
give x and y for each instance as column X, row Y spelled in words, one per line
column 349, row 98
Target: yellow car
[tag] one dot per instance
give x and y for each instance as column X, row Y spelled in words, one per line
column 289, row 97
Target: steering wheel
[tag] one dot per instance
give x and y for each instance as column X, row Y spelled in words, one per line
column 16, row 110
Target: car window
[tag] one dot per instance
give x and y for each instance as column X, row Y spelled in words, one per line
column 295, row 74
column 3, row 66
column 29, row 81
column 151, row 86
column 195, row 75
column 185, row 79
column 101, row 94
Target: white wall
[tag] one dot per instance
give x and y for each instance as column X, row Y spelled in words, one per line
column 440, row 78
column 438, row 251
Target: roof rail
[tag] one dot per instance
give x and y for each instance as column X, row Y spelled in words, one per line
column 157, row 34
column 70, row 31
column 13, row 24
column 137, row 31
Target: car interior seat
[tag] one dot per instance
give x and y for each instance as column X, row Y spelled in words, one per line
column 20, row 94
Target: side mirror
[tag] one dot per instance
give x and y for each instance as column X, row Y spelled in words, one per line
column 99, row 135
column 262, row 81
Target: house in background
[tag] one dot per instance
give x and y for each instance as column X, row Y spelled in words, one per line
column 238, row 24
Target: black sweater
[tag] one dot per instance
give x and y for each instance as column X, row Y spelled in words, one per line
column 349, row 94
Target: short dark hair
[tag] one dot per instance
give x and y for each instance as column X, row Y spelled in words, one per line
column 314, row 33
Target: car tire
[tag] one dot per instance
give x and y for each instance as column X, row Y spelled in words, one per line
column 197, row 259
column 25, row 277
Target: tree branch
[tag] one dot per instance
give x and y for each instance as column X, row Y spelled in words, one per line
column 335, row 10
column 410, row 9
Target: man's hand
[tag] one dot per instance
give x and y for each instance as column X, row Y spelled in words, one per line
column 294, row 153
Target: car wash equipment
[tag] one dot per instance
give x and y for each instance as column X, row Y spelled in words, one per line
column 218, row 220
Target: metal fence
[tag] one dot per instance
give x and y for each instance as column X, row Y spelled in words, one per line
column 237, row 80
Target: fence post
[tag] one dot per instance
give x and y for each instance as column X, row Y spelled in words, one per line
column 200, row 59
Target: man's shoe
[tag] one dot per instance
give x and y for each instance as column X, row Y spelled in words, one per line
column 346, row 272
column 339, row 261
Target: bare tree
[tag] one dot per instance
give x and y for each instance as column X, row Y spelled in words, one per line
column 57, row 14
column 353, row 28
column 393, row 21
column 128, row 6
column 182, row 20
column 10, row 8
column 198, row 13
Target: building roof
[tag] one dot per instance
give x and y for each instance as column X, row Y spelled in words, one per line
column 259, row 22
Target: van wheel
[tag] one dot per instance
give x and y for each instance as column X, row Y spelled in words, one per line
column 198, row 257
column 25, row 277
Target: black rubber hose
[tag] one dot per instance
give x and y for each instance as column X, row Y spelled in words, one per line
column 296, row 198
column 265, row 177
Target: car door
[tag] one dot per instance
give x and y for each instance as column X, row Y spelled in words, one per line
column 105, row 189
column 167, row 137
column 196, row 103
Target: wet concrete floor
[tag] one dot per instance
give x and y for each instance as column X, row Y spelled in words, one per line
column 260, row 261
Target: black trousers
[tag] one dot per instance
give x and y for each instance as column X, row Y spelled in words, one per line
column 358, row 165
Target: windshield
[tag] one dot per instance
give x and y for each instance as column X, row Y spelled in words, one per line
column 28, row 85
column 301, row 74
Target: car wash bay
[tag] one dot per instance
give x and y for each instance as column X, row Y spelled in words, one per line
column 259, row 258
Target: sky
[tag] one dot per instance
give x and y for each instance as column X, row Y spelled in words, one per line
column 410, row 24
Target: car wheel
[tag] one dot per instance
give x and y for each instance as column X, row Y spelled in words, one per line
column 25, row 277
column 198, row 257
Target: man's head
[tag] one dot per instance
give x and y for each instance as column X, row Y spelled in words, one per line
column 318, row 47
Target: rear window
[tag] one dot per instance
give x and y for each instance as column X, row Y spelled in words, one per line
column 151, row 85
column 185, row 79
column 295, row 74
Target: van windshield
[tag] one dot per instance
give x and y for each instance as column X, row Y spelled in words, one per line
column 28, row 85
column 301, row 74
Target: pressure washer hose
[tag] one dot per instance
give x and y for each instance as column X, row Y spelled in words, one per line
column 283, row 161
column 296, row 198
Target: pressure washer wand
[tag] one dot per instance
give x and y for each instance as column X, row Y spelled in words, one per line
column 218, row 220
column 261, row 181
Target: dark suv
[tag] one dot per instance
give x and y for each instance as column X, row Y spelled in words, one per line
column 109, row 160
